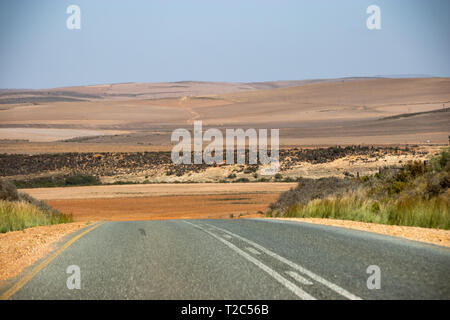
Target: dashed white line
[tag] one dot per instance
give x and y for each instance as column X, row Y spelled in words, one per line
column 299, row 278
column 285, row 282
column 294, row 266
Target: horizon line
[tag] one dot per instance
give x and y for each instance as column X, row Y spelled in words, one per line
column 393, row 76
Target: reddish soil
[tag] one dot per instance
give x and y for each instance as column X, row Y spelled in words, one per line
column 166, row 207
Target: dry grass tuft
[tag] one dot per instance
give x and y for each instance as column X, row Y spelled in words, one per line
column 415, row 195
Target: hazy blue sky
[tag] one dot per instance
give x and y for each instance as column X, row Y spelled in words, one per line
column 218, row 40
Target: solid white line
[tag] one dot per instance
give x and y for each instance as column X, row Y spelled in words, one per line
column 299, row 278
column 252, row 250
column 295, row 266
column 289, row 285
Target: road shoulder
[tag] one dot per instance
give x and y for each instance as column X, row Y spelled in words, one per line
column 434, row 236
column 21, row 249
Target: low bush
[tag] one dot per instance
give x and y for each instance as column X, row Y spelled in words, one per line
column 8, row 191
column 58, row 181
column 417, row 194
column 310, row 189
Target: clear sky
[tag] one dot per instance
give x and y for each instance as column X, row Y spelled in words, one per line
column 218, row 40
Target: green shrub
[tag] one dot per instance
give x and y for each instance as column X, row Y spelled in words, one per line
column 310, row 189
column 58, row 181
column 81, row 180
column 8, row 191
column 41, row 205
column 442, row 161
column 251, row 169
column 231, row 176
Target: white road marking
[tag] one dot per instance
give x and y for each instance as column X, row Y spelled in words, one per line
column 299, row 278
column 285, row 282
column 252, row 250
column 295, row 266
column 227, row 236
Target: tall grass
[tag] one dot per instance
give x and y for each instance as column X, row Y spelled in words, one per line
column 18, row 215
column 428, row 213
column 416, row 194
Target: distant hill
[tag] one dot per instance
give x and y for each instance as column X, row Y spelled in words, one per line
column 136, row 90
column 316, row 112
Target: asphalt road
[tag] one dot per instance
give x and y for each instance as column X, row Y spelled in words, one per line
column 241, row 259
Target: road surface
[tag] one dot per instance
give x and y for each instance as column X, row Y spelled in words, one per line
column 240, row 259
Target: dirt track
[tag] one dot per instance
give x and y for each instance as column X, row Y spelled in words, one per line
column 153, row 190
